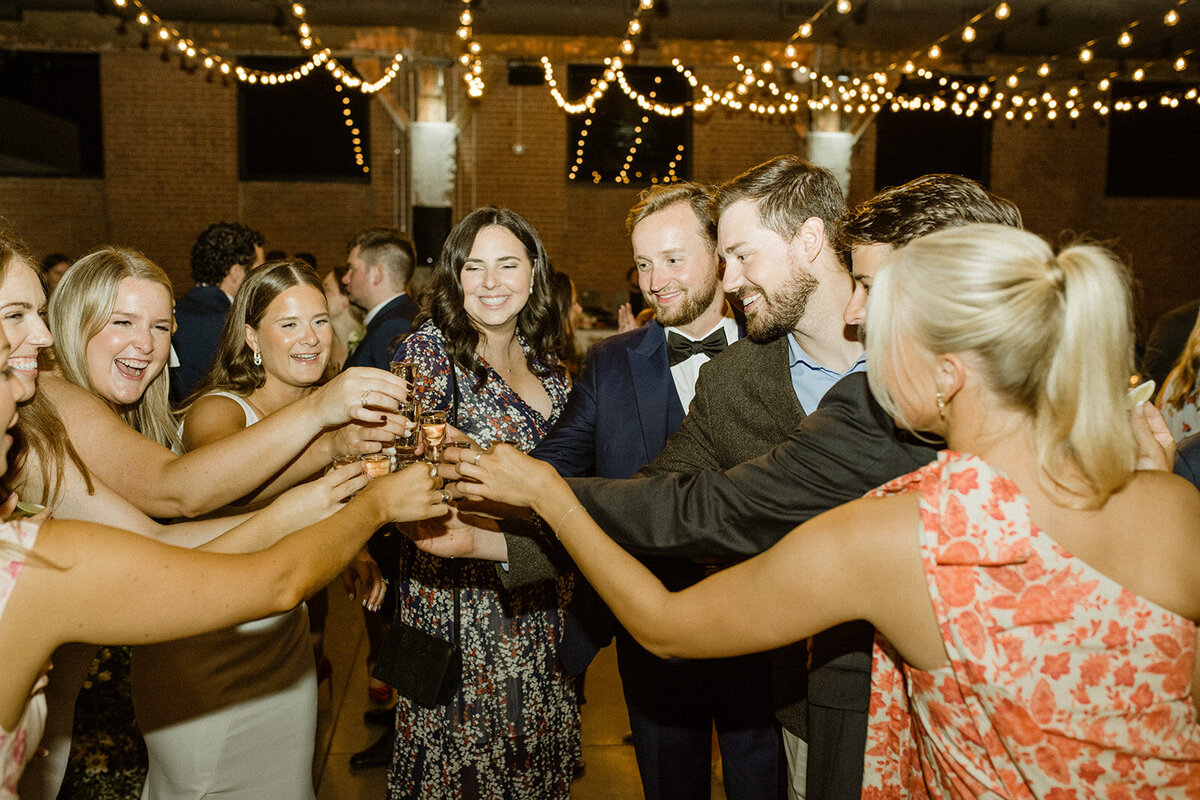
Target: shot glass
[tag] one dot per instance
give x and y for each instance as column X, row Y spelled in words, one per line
column 433, row 430
column 376, row 465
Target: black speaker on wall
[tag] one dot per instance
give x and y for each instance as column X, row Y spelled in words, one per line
column 430, row 228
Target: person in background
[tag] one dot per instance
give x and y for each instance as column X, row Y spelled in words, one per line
column 344, row 317
column 378, row 269
column 485, row 347
column 54, row 266
column 1179, row 397
column 1026, row 586
column 566, row 302
column 221, row 256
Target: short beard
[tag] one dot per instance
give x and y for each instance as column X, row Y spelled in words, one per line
column 783, row 310
column 695, row 303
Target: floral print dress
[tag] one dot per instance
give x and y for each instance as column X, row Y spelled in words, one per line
column 1060, row 684
column 18, row 745
column 512, row 730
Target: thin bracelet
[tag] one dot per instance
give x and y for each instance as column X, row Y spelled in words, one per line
column 566, row 514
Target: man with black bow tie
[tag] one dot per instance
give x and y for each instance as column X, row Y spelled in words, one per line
column 629, row 398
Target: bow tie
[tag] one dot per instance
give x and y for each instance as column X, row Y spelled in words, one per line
column 681, row 348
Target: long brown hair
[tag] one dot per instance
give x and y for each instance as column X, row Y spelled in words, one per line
column 1181, row 381
column 39, row 429
column 233, row 368
column 443, row 296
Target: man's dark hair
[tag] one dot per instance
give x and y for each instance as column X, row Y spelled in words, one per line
column 789, row 190
column 52, row 259
column 391, row 248
column 899, row 214
column 222, row 245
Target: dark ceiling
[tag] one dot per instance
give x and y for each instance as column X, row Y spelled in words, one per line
column 1035, row 27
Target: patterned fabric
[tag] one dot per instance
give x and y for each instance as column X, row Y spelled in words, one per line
column 1185, row 420
column 1060, row 683
column 512, row 731
column 18, row 745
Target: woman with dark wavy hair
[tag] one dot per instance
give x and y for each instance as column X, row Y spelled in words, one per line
column 485, row 345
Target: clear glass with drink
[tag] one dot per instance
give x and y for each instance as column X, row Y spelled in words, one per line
column 406, row 444
column 376, row 465
column 433, row 430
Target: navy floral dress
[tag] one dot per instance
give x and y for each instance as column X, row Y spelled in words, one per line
column 512, row 731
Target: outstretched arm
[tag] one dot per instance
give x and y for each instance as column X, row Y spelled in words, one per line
column 165, row 485
column 152, row 592
column 855, row 562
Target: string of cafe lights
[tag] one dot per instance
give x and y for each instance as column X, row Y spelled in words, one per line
column 471, row 55
column 355, row 133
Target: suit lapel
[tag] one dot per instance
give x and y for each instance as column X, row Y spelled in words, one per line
column 659, row 410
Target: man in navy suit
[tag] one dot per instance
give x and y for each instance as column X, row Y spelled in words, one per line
column 629, row 398
column 378, row 269
column 221, row 257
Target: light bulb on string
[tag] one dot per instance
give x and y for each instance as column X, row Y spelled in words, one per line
column 968, row 34
column 1125, row 39
column 1002, row 11
column 1085, row 55
column 844, row 6
column 806, row 30
column 1171, row 19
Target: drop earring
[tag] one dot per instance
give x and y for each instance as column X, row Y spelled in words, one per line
column 258, row 361
column 941, row 404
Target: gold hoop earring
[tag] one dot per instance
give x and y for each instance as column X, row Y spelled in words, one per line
column 941, row 404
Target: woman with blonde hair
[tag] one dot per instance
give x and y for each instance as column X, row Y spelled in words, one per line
column 52, row 573
column 1035, row 606
column 1179, row 398
column 114, row 322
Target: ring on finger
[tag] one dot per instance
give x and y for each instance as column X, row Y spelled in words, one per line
column 477, row 457
column 363, row 398
column 445, row 496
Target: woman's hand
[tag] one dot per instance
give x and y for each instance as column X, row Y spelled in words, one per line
column 316, row 500
column 360, row 438
column 411, row 494
column 1155, row 445
column 358, row 393
column 504, row 474
column 362, row 578
column 459, row 535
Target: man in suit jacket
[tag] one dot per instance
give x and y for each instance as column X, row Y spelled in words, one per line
column 378, row 269
column 629, row 397
column 846, row 447
column 221, row 257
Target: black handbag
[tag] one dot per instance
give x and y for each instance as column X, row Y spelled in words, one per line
column 419, row 665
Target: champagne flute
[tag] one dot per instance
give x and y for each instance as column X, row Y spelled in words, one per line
column 433, row 429
column 406, row 444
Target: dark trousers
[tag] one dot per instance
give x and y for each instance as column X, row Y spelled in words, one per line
column 673, row 706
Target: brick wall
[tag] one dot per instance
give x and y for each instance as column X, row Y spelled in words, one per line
column 170, row 144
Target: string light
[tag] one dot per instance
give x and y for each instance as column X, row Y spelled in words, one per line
column 1003, row 11
column 471, row 49
column 968, row 34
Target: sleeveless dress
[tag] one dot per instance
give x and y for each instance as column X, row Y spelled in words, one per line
column 18, row 745
column 231, row 713
column 512, row 730
column 1061, row 684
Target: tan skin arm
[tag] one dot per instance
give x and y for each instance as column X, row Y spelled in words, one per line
column 152, row 592
column 240, row 533
column 859, row 561
column 165, row 485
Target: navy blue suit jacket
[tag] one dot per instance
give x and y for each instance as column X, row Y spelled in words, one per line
column 199, row 318
column 376, row 348
column 622, row 408
column 1187, row 459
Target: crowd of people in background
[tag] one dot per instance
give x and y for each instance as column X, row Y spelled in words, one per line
column 936, row 555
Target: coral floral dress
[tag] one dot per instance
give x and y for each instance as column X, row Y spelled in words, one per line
column 1060, row 683
column 19, row 745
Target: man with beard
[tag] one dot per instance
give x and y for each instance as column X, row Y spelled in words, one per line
column 630, row 396
column 847, row 447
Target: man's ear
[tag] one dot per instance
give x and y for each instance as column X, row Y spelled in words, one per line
column 810, row 238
